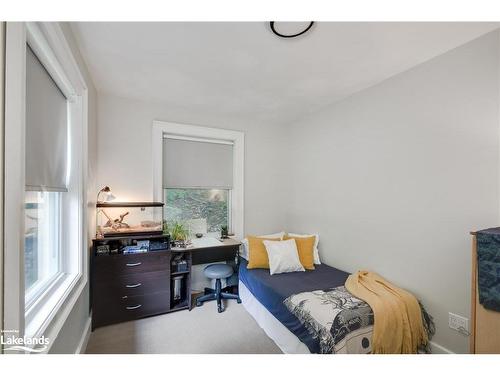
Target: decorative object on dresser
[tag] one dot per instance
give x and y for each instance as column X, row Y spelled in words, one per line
column 108, row 197
column 127, row 285
column 485, row 301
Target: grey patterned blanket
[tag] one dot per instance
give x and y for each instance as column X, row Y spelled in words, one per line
column 340, row 322
column 488, row 265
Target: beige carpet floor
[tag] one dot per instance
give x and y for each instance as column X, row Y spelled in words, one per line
column 201, row 330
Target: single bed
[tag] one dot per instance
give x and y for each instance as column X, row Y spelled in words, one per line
column 262, row 296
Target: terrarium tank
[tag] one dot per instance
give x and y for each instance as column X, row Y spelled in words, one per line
column 129, row 218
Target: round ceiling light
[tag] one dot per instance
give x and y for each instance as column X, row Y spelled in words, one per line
column 281, row 35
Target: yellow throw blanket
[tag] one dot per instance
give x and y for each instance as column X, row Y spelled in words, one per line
column 398, row 326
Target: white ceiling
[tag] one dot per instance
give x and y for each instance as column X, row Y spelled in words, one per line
column 243, row 70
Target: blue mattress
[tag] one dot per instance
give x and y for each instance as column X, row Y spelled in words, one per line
column 271, row 291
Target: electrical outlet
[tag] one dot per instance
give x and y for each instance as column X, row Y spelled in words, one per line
column 458, row 323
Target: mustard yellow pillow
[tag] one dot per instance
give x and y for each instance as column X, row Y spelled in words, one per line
column 257, row 254
column 305, row 248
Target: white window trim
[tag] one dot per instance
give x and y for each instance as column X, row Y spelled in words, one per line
column 184, row 131
column 44, row 288
column 50, row 45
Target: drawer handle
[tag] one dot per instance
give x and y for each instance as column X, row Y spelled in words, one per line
column 133, row 264
column 133, row 307
column 133, row 286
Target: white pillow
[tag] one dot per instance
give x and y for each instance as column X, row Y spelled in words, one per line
column 244, row 242
column 283, row 256
column 316, row 251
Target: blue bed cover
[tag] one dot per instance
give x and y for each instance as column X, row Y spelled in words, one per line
column 271, row 291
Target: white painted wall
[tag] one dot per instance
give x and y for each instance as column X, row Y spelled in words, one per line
column 395, row 177
column 70, row 335
column 125, row 156
column 125, row 159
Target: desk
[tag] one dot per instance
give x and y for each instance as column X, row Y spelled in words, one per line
column 211, row 250
column 208, row 250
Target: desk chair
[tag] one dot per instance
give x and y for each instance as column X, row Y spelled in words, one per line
column 217, row 272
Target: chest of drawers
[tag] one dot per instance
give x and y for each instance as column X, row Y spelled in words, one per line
column 129, row 286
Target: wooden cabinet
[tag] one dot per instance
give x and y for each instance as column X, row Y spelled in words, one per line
column 131, row 286
column 111, row 266
column 485, row 324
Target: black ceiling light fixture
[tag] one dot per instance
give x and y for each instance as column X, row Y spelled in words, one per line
column 273, row 28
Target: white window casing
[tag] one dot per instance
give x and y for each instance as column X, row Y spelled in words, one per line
column 218, row 144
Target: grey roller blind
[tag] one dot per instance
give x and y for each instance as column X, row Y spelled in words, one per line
column 46, row 129
column 197, row 164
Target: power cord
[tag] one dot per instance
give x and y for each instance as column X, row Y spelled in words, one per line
column 463, row 331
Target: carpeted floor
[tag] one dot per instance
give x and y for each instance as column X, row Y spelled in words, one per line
column 201, row 330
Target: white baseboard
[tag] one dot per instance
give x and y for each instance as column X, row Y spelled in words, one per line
column 438, row 349
column 82, row 345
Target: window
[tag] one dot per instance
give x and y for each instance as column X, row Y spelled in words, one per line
column 42, row 242
column 198, row 181
column 46, row 174
column 46, row 116
column 198, row 173
column 203, row 210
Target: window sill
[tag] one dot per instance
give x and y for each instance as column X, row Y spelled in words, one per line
column 50, row 317
column 38, row 294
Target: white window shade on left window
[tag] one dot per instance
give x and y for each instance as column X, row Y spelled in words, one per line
column 46, row 130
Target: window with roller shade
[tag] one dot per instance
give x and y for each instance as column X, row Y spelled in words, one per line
column 197, row 182
column 46, row 174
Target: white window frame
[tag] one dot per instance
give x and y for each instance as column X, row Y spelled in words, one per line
column 185, row 131
column 44, row 287
column 47, row 316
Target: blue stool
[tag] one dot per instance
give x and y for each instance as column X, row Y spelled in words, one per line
column 217, row 272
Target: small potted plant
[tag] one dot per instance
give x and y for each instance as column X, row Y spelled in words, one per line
column 224, row 232
column 178, row 234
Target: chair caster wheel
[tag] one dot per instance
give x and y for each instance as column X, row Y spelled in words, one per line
column 238, row 300
column 220, row 309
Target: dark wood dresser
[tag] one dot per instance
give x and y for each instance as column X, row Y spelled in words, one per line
column 131, row 286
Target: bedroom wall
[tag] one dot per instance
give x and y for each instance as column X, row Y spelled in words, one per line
column 125, row 156
column 125, row 160
column 395, row 177
column 74, row 330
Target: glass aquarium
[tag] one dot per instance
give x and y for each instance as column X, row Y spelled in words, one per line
column 129, row 218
